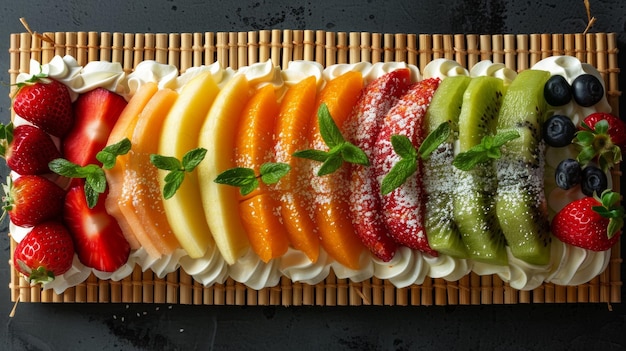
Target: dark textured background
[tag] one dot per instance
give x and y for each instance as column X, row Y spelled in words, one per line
column 156, row 327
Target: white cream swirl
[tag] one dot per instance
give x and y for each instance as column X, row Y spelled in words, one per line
column 442, row 68
column 370, row 71
column 490, row 69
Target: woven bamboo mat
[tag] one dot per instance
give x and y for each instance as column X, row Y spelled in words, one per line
column 236, row 49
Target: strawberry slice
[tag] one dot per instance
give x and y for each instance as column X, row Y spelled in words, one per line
column 32, row 199
column 98, row 239
column 403, row 208
column 45, row 252
column 362, row 129
column 46, row 103
column 95, row 115
column 27, row 149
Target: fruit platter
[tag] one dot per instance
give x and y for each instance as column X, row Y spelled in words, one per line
column 302, row 182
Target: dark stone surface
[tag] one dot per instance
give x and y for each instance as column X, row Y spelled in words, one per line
column 156, row 327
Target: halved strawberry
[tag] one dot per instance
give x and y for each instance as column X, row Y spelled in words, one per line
column 403, row 208
column 98, row 239
column 27, row 149
column 45, row 252
column 45, row 103
column 31, row 199
column 362, row 129
column 592, row 223
column 95, row 115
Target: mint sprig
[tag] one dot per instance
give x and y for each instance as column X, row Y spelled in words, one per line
column 247, row 181
column 340, row 150
column 95, row 178
column 489, row 148
column 177, row 168
column 407, row 165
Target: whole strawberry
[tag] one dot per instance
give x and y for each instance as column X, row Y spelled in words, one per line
column 46, row 103
column 27, row 149
column 592, row 223
column 602, row 137
column 31, row 199
column 45, row 252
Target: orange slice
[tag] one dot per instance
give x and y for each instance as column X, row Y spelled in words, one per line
column 332, row 192
column 254, row 145
column 292, row 128
column 118, row 201
column 142, row 176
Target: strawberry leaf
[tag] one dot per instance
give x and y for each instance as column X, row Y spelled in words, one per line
column 398, row 174
column 434, row 139
column 177, row 169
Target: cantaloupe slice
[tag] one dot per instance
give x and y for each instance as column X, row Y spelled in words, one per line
column 142, row 176
column 221, row 202
column 332, row 207
column 180, row 133
column 292, row 129
column 254, row 146
column 116, row 201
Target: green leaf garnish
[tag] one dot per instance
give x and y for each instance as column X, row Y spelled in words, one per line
column 6, row 137
column 340, row 150
column 245, row 179
column 177, row 168
column 434, row 139
column 407, row 165
column 610, row 209
column 596, row 143
column 489, row 148
column 95, row 178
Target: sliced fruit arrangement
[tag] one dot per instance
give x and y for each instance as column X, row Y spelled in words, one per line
column 476, row 191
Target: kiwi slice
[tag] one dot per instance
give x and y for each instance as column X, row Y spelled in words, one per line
column 439, row 174
column 520, row 200
column 474, row 201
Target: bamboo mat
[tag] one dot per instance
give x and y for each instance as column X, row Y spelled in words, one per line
column 236, row 49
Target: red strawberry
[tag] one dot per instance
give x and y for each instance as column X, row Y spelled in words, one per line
column 98, row 239
column 602, row 136
column 27, row 149
column 45, row 252
column 403, row 208
column 591, row 223
column 96, row 113
column 31, row 199
column 45, row 103
column 362, row 129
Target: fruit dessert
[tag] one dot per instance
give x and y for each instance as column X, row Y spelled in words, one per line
column 371, row 170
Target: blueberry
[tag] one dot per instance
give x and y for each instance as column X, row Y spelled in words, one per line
column 593, row 179
column 559, row 131
column 587, row 90
column 568, row 174
column 557, row 91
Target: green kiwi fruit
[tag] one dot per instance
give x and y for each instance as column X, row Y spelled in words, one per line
column 474, row 202
column 520, row 200
column 439, row 173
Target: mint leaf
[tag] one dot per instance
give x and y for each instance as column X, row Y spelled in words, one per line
column 489, row 148
column 312, row 154
column 403, row 147
column 192, row 158
column 340, row 149
column 109, row 154
column 237, row 176
column 328, row 129
column 398, row 174
column 272, row 172
column 91, row 195
column 434, row 139
column 353, row 154
column 177, row 169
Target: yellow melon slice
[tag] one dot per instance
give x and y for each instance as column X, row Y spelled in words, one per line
column 179, row 135
column 221, row 202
